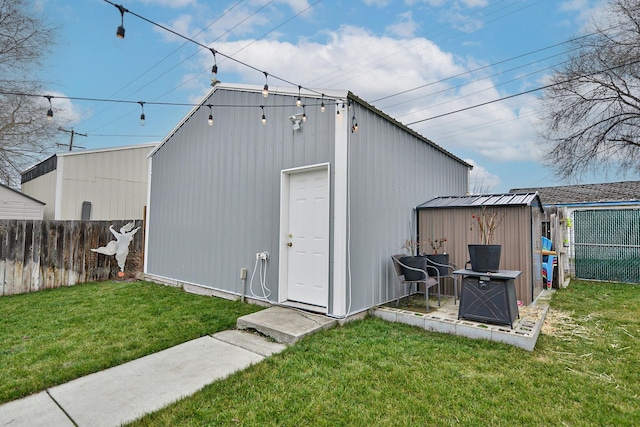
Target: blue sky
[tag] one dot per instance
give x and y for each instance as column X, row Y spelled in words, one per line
column 401, row 56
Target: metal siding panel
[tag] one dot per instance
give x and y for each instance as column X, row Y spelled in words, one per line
column 114, row 181
column 43, row 188
column 390, row 172
column 515, row 235
column 215, row 193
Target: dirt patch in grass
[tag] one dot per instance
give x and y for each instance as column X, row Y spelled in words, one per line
column 563, row 325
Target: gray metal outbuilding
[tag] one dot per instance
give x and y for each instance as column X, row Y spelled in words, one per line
column 99, row 184
column 519, row 234
column 304, row 203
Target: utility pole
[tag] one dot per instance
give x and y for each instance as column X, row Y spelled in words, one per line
column 73, row 133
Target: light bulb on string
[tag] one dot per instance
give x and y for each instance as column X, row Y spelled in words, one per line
column 299, row 100
column 142, row 117
column 264, row 118
column 50, row 110
column 214, row 69
column 120, row 29
column 210, row 120
column 265, row 90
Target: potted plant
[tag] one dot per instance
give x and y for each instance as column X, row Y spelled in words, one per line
column 438, row 256
column 412, row 246
column 485, row 257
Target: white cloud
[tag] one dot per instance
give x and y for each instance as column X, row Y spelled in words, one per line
column 296, row 5
column 404, row 27
column 64, row 110
column 349, row 58
column 480, row 179
column 352, row 58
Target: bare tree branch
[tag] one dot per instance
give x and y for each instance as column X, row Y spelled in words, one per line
column 590, row 119
column 25, row 135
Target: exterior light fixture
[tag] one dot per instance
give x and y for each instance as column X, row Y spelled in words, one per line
column 296, row 120
column 322, row 104
column 210, row 121
column 265, row 90
column 299, row 100
column 120, row 30
column 264, row 118
column 142, row 114
column 214, row 69
column 50, row 110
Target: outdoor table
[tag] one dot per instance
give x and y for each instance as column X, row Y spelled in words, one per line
column 488, row 297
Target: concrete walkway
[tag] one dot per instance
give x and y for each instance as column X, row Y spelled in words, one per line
column 126, row 392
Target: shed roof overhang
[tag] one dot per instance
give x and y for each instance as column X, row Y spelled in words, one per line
column 480, row 200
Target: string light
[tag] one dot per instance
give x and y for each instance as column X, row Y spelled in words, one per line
column 50, row 111
column 264, row 118
column 142, row 114
column 210, row 121
column 322, row 104
column 265, row 90
column 354, row 124
column 214, row 69
column 120, row 30
column 304, row 114
column 337, row 111
column 299, row 100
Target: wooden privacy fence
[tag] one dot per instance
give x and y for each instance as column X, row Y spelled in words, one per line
column 36, row 255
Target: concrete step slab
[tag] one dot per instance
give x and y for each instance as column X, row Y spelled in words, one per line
column 250, row 341
column 285, row 325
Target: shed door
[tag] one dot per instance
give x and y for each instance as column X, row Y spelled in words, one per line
column 306, row 233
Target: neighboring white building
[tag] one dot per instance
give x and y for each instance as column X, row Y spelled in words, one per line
column 102, row 184
column 15, row 205
column 305, row 213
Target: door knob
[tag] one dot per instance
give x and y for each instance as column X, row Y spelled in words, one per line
column 289, row 244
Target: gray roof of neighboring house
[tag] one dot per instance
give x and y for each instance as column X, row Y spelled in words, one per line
column 587, row 193
column 506, row 199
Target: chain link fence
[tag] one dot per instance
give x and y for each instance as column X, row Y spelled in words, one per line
column 607, row 245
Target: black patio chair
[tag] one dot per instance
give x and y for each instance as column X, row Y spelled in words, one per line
column 417, row 276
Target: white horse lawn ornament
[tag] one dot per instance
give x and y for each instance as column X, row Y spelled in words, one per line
column 120, row 246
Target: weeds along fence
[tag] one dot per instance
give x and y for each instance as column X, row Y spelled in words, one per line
column 36, row 255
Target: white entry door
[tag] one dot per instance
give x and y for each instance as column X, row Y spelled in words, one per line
column 306, row 233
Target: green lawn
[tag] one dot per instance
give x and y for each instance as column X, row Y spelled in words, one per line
column 51, row 337
column 585, row 370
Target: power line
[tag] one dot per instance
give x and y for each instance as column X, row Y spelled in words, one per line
column 375, row 63
column 166, row 57
column 213, row 51
column 522, row 93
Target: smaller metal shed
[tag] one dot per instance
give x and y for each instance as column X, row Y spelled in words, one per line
column 519, row 234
